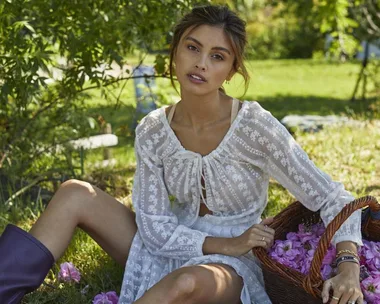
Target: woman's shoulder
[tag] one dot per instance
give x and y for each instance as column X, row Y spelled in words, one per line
column 258, row 119
column 153, row 134
column 151, row 123
column 253, row 109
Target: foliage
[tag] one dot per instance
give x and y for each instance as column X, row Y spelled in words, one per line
column 278, row 29
column 296, row 29
column 51, row 53
column 366, row 13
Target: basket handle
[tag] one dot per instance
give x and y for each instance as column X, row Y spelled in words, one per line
column 313, row 279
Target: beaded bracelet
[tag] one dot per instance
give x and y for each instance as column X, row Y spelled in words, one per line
column 347, row 251
column 346, row 258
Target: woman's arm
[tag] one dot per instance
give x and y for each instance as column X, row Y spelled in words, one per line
column 288, row 163
column 345, row 285
column 157, row 225
column 258, row 235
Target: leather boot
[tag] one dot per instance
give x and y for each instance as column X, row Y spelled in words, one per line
column 24, row 264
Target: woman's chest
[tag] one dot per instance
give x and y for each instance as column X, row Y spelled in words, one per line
column 202, row 140
column 225, row 183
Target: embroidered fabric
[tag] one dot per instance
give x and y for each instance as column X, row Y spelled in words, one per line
column 168, row 189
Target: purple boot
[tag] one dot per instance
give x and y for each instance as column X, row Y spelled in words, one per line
column 24, row 263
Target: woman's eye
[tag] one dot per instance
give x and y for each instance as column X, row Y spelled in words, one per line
column 191, row 47
column 218, row 57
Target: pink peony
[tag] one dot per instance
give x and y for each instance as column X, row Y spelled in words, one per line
column 370, row 255
column 109, row 297
column 68, row 273
column 371, row 289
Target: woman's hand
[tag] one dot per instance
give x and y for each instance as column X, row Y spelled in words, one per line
column 258, row 235
column 345, row 286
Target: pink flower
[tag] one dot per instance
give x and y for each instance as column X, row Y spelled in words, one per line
column 292, row 236
column 330, row 256
column 68, row 273
column 371, row 289
column 289, row 249
column 326, row 271
column 318, row 229
column 303, row 228
column 288, row 253
column 370, row 255
column 109, row 297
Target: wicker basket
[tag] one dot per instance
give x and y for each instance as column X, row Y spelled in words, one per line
column 287, row 286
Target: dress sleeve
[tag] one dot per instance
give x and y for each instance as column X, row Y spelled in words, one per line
column 289, row 164
column 157, row 224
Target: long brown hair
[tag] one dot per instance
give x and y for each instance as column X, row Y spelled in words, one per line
column 214, row 15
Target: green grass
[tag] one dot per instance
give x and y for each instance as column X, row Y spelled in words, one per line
column 302, row 87
column 349, row 154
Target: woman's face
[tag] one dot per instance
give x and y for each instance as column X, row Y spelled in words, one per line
column 203, row 60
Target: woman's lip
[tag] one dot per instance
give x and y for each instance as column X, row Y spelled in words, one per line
column 196, row 80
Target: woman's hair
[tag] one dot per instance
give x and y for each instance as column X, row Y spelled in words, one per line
column 214, row 15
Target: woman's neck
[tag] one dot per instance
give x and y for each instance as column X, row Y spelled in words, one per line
column 202, row 111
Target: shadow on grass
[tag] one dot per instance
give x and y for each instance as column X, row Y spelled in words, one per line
column 123, row 117
column 373, row 190
column 282, row 105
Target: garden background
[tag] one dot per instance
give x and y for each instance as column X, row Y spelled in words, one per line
column 66, row 71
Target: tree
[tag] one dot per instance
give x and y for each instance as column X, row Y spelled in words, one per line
column 367, row 14
column 38, row 112
column 278, row 29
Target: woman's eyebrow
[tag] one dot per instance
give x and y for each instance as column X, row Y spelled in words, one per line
column 220, row 48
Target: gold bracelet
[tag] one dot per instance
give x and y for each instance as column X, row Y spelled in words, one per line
column 347, row 251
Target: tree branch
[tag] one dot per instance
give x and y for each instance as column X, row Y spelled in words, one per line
column 124, row 78
column 370, row 21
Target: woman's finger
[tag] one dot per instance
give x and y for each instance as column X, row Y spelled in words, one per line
column 267, row 221
column 266, row 239
column 262, row 230
column 356, row 297
column 327, row 285
column 360, row 299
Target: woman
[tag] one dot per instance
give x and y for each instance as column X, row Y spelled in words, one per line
column 200, row 187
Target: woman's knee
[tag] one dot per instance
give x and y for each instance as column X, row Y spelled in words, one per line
column 73, row 193
column 77, row 187
column 212, row 283
column 184, row 288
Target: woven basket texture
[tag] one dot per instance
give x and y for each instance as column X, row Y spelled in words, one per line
column 287, row 286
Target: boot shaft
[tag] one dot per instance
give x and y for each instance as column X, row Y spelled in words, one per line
column 24, row 264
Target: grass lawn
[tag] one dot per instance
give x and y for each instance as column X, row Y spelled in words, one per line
column 349, row 154
column 302, row 87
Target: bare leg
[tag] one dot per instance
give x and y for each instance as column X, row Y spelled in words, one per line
column 79, row 204
column 202, row 284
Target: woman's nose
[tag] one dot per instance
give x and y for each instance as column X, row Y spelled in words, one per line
column 201, row 64
column 201, row 67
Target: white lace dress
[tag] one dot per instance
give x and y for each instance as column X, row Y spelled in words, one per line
column 168, row 189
